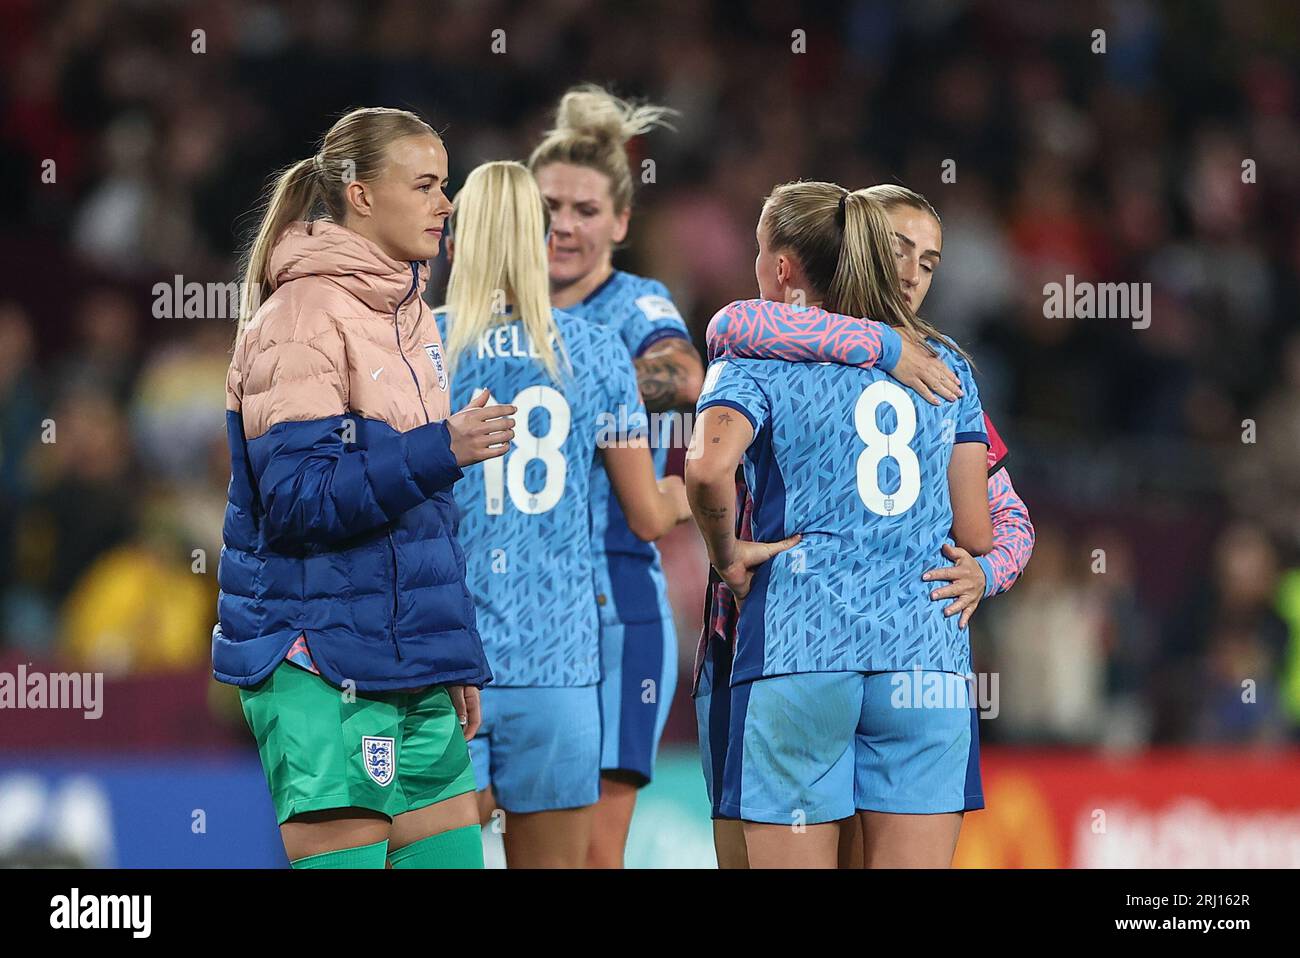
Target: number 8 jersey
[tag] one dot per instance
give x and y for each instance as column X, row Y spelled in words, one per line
column 859, row 464
column 525, row 523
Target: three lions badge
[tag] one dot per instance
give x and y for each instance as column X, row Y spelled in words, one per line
column 378, row 754
column 435, row 356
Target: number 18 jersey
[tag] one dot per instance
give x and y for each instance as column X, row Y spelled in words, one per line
column 525, row 522
column 858, row 464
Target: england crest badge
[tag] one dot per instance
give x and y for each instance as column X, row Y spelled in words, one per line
column 435, row 356
column 379, row 755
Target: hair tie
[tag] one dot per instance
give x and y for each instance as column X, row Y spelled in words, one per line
column 318, row 162
column 839, row 212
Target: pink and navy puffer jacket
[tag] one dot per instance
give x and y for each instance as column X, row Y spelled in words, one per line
column 341, row 526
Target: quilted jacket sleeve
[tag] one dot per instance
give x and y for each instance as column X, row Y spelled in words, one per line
column 315, row 482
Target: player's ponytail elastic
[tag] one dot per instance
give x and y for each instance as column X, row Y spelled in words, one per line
column 592, row 127
column 499, row 224
column 355, row 148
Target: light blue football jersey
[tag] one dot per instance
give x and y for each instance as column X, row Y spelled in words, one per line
column 858, row 464
column 629, row 579
column 525, row 523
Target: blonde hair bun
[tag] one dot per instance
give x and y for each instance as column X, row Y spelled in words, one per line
column 589, row 110
column 592, row 127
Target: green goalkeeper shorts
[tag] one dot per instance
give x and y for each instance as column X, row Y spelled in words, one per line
column 321, row 747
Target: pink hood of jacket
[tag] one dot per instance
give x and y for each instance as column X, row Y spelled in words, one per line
column 344, row 330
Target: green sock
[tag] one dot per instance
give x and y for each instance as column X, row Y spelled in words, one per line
column 363, row 856
column 458, row 848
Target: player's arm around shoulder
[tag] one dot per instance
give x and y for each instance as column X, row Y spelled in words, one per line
column 765, row 329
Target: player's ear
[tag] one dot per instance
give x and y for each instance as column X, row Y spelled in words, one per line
column 358, row 198
column 620, row 224
column 784, row 269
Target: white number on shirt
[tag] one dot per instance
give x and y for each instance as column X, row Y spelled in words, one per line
column 507, row 472
column 894, row 445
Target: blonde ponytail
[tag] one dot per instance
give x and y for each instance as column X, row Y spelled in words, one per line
column 500, row 256
column 293, row 196
column 865, row 282
column 592, row 127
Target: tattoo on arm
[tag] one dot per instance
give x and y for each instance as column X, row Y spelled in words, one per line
column 713, row 514
column 669, row 375
column 660, row 378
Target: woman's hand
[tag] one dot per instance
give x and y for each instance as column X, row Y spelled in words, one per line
column 468, row 711
column 966, row 578
column 480, row 431
column 675, row 489
column 748, row 556
column 921, row 369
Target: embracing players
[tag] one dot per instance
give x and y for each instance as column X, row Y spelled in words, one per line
column 774, row 329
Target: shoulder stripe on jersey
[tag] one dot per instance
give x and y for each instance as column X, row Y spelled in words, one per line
column 665, row 332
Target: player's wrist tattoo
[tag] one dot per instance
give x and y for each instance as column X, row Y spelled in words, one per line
column 713, row 508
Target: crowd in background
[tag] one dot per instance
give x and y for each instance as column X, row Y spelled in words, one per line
column 1161, row 463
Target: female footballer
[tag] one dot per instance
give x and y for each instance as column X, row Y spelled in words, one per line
column 344, row 617
column 525, row 518
column 582, row 168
